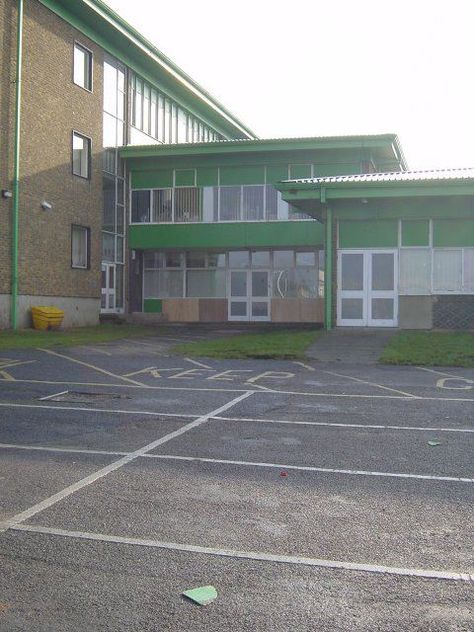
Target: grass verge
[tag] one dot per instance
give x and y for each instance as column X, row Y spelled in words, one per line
column 30, row 338
column 430, row 348
column 274, row 345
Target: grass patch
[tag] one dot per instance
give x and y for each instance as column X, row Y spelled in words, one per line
column 430, row 348
column 31, row 338
column 274, row 345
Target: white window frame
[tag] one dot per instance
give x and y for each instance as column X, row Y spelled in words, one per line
column 86, row 235
column 88, row 139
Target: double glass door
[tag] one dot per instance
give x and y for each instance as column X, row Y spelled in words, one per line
column 367, row 288
column 249, row 295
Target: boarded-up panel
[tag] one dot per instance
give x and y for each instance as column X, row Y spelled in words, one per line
column 213, row 310
column 285, row 310
column 312, row 310
column 181, row 310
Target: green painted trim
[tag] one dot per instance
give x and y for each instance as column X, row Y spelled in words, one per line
column 152, row 179
column 185, row 177
column 453, row 232
column 207, row 176
column 368, row 234
column 245, row 146
column 328, row 252
column 251, row 174
column 153, row 306
column 226, row 235
column 16, row 167
column 415, row 232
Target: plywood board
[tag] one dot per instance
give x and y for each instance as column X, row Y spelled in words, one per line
column 213, row 310
column 181, row 310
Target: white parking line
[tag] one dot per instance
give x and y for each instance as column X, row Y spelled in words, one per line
column 386, row 388
column 309, row 468
column 253, row 555
column 97, row 410
column 38, row 448
column 112, row 467
column 44, row 399
column 424, row 368
column 305, row 366
column 341, row 425
column 201, row 364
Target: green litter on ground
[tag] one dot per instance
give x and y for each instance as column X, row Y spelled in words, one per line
column 203, row 595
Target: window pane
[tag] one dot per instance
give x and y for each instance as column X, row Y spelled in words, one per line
column 110, row 89
column 80, row 156
column 415, row 271
column 382, row 271
column 141, row 206
column 167, row 122
column 187, row 204
column 306, row 258
column 260, row 309
column 110, row 131
column 163, row 205
column 209, row 204
column 195, row 259
column 352, row 271
column 206, row 283
column 447, row 272
column 138, row 105
column 119, row 287
column 120, row 222
column 352, row 308
column 239, row 259
column 296, row 283
column 108, row 222
column 108, row 247
column 469, row 269
column 216, row 260
column 253, row 202
column 163, row 283
column 230, row 203
column 119, row 249
column 181, row 126
column 146, row 109
column 382, row 308
column 261, row 259
column 79, row 247
column 283, row 259
column 154, row 259
column 173, row 259
column 82, row 67
column 260, row 284
column 271, row 202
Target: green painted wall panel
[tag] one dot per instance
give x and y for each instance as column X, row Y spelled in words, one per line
column 207, row 177
column 374, row 234
column 152, row 179
column 453, row 232
column 416, row 232
column 252, row 174
column 336, row 169
column 277, row 173
column 152, row 306
column 238, row 235
column 185, row 177
column 300, row 171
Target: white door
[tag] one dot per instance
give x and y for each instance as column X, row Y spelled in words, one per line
column 108, row 288
column 249, row 295
column 367, row 288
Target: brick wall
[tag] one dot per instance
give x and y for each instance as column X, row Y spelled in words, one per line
column 52, row 106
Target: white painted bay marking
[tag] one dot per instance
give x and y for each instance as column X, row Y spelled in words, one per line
column 153, row 371
column 96, row 410
column 7, row 377
column 201, row 364
column 425, row 368
column 90, row 366
column 305, row 366
column 468, row 384
column 112, row 467
column 271, row 375
column 39, row 448
column 253, row 555
column 310, row 468
column 44, row 399
column 341, row 425
column 387, row 388
column 230, row 374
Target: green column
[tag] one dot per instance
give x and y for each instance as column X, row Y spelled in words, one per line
column 16, row 167
column 328, row 272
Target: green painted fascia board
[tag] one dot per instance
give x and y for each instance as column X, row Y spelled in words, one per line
column 105, row 27
column 245, row 146
column 152, row 179
column 246, row 174
column 226, row 235
column 453, row 232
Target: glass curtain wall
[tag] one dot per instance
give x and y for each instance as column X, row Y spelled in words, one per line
column 113, row 218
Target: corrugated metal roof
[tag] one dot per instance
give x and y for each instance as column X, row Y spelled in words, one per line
column 466, row 173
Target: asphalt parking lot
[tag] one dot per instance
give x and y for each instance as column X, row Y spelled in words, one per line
column 312, row 496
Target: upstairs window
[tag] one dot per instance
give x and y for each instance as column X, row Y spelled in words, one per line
column 80, row 239
column 82, row 67
column 81, row 154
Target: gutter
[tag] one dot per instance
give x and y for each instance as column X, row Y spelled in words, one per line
column 16, row 168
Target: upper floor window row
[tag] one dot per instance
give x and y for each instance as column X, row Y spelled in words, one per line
column 82, row 73
column 239, row 203
column 161, row 119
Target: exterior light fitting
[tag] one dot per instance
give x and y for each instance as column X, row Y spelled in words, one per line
column 46, row 206
column 6, row 194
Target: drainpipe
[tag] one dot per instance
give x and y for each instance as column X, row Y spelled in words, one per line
column 328, row 272
column 16, row 168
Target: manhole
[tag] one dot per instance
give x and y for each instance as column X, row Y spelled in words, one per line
column 78, row 397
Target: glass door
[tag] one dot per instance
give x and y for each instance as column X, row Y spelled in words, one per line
column 108, row 288
column 260, row 295
column 238, row 295
column 367, row 288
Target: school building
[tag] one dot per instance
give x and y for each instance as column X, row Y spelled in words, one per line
column 129, row 191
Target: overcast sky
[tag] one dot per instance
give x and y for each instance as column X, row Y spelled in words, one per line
column 312, row 67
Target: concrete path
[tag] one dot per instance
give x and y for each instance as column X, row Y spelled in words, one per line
column 350, row 346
